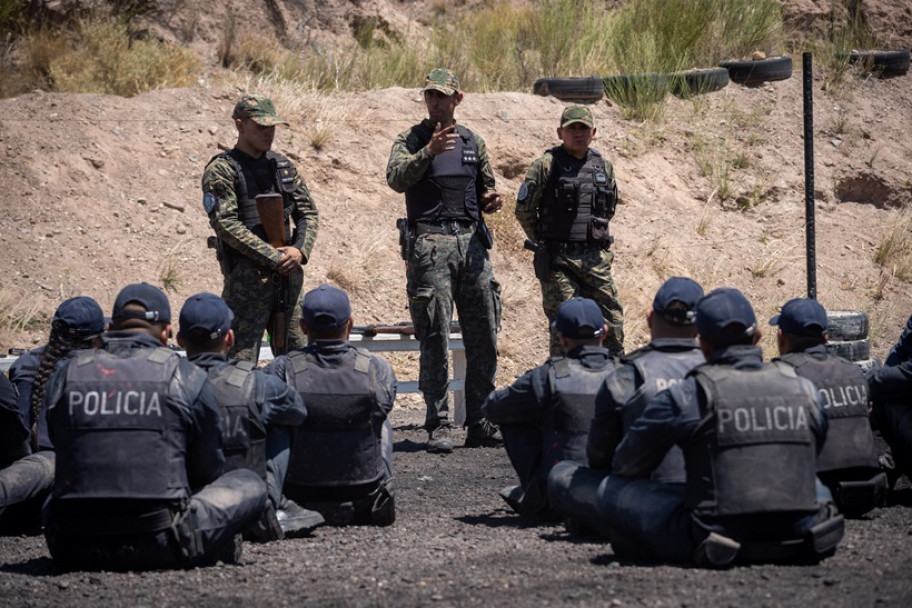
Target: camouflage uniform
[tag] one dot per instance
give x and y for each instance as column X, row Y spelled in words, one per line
column 584, row 273
column 248, row 260
column 446, row 268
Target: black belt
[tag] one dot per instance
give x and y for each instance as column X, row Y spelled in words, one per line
column 573, row 247
column 143, row 523
column 444, row 227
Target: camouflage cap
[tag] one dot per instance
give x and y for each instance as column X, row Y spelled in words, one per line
column 259, row 109
column 580, row 114
column 442, row 80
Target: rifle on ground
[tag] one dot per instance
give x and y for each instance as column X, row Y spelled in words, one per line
column 271, row 209
column 406, row 328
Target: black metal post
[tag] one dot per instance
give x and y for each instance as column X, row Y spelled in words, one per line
column 810, row 244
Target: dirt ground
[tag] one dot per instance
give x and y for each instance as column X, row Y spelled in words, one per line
column 103, row 191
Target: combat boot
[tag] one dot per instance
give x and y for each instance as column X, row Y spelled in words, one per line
column 483, row 434
column 513, row 496
column 439, row 440
column 716, row 551
column 295, row 520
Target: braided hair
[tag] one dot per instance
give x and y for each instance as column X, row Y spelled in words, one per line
column 63, row 339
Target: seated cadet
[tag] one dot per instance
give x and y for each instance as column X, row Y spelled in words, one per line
column 77, row 323
column 749, row 433
column 847, row 464
column 17, row 482
column 640, row 375
column 544, row 416
column 138, row 482
column 259, row 413
column 890, row 391
column 341, row 457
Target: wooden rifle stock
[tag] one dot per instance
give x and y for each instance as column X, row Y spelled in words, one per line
column 271, row 209
column 405, row 328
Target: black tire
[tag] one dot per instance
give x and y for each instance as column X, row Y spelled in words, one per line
column 647, row 86
column 847, row 324
column 883, row 62
column 697, row 82
column 589, row 88
column 853, row 350
column 757, row 72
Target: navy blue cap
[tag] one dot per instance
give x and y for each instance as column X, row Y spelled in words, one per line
column 676, row 300
column 802, row 317
column 325, row 307
column 721, row 308
column 81, row 316
column 205, row 317
column 580, row 319
column 153, row 299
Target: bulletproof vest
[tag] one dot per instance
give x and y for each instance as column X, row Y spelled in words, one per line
column 844, row 392
column 447, row 189
column 754, row 450
column 119, row 430
column 578, row 200
column 272, row 172
column 659, row 370
column 566, row 427
column 243, row 433
column 339, row 442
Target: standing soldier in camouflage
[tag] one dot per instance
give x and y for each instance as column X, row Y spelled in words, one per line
column 444, row 171
column 256, row 273
column 564, row 206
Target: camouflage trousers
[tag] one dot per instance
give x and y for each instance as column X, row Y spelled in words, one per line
column 250, row 291
column 443, row 270
column 584, row 276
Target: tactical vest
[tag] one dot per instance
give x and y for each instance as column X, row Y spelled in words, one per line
column 120, row 430
column 270, row 173
column 339, row 442
column 578, row 200
column 844, row 391
column 243, row 433
column 447, row 189
column 659, row 370
column 754, row 450
column 573, row 387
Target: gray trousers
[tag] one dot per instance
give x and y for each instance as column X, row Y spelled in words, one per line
column 24, row 485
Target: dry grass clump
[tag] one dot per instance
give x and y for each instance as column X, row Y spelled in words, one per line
column 18, row 314
column 894, row 252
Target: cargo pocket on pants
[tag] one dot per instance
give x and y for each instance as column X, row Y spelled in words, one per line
column 422, row 307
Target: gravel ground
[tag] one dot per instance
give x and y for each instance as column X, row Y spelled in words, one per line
column 456, row 544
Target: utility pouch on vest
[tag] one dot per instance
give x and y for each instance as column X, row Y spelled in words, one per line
column 598, row 230
column 565, row 194
column 406, row 238
column 484, row 234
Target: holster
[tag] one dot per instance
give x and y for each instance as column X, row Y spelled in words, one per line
column 221, row 254
column 185, row 534
column 484, row 234
column 406, row 238
column 541, row 262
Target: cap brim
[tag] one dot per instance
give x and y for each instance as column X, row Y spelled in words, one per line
column 775, row 320
column 266, row 121
column 439, row 87
column 573, row 121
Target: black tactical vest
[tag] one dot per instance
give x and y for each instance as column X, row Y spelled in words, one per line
column 842, row 385
column 339, row 442
column 447, row 189
column 659, row 370
column 272, row 172
column 243, row 433
column 574, row 387
column 754, row 450
column 122, row 437
column 578, row 200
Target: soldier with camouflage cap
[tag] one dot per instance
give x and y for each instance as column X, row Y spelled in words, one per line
column 444, row 172
column 564, row 204
column 250, row 265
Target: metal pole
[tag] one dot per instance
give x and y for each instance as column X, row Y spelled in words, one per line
column 810, row 244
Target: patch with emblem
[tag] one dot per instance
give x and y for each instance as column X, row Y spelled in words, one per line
column 208, row 202
column 600, row 178
column 469, row 157
column 523, row 192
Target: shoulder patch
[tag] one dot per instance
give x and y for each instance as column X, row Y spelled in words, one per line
column 209, row 202
column 523, row 192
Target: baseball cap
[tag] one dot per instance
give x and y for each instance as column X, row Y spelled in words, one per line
column 580, row 319
column 443, row 80
column 204, row 317
column 580, row 114
column 149, row 297
column 325, row 307
column 721, row 308
column 81, row 316
column 802, row 317
column 676, row 300
column 259, row 109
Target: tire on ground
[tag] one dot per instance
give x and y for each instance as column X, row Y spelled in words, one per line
column 883, row 62
column 847, row 324
column 758, row 71
column 853, row 350
column 696, row 82
column 589, row 88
